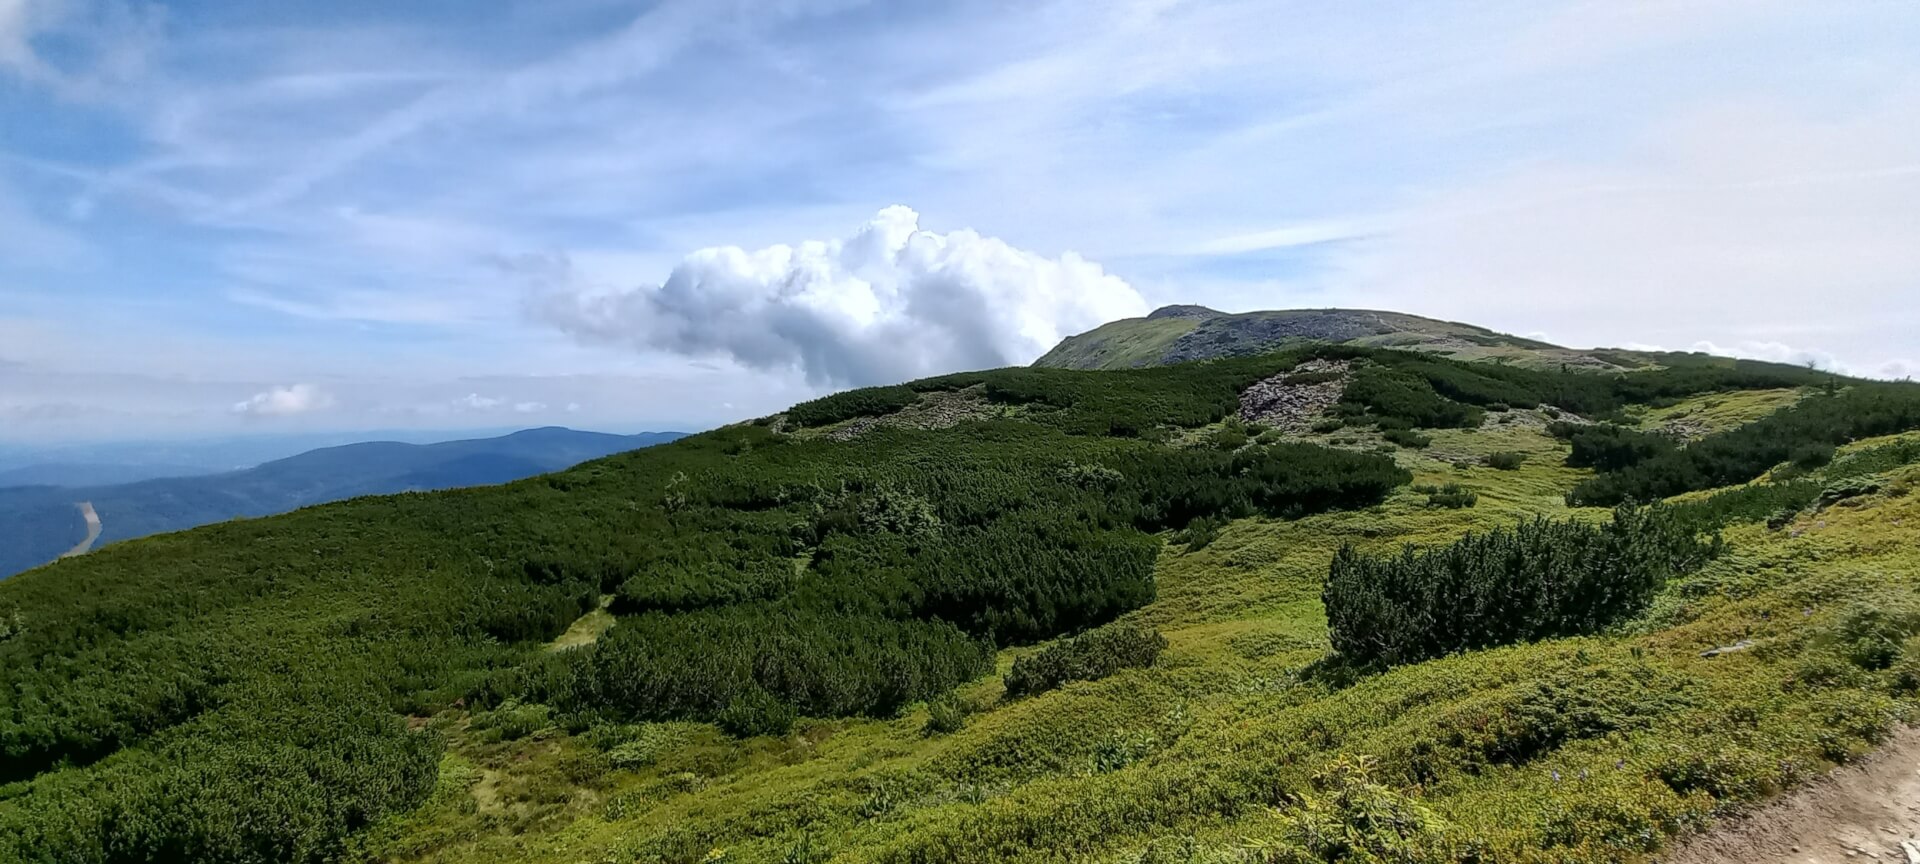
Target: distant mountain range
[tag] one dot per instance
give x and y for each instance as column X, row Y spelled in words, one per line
column 1175, row 334
column 38, row 523
column 109, row 463
column 95, row 473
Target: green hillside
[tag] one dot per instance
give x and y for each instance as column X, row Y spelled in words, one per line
column 1336, row 603
column 1177, row 334
column 37, row 524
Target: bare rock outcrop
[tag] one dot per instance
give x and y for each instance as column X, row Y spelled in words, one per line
column 1291, row 401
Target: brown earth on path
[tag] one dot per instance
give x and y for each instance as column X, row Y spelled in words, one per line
column 1859, row 813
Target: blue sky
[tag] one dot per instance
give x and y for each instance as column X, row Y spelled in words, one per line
column 275, row 216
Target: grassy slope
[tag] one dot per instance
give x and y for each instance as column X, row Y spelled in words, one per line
column 1716, row 413
column 1184, row 761
column 1119, row 344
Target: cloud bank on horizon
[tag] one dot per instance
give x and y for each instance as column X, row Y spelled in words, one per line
column 889, row 303
column 662, row 214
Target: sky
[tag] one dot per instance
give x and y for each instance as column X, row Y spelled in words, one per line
column 227, row 218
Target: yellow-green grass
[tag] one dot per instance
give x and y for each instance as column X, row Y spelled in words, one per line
column 1205, row 752
column 1120, row 344
column 587, row 629
column 1718, row 412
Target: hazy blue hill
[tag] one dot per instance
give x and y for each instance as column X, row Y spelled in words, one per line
column 38, row 523
column 93, row 473
column 479, row 469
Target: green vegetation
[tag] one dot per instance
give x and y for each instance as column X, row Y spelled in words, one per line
column 1607, row 447
column 1090, row 656
column 1804, row 433
column 1380, row 393
column 1128, row 344
column 1436, row 393
column 1540, row 579
column 757, row 577
column 1692, row 418
column 1452, row 495
column 800, row 662
column 1505, row 460
column 38, row 524
column 846, row 405
column 1407, row 438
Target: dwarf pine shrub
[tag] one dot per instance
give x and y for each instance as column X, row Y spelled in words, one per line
column 1089, row 656
column 1538, row 579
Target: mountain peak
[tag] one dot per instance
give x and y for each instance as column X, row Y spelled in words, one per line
column 1183, row 332
column 1184, row 310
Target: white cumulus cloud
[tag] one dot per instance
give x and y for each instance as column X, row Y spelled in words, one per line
column 889, row 303
column 285, row 401
column 529, row 407
column 478, row 402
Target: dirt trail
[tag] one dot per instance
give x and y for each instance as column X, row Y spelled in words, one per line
column 1860, row 813
column 93, row 530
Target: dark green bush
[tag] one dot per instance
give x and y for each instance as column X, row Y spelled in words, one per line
column 1407, row 438
column 754, row 711
column 1607, row 447
column 1505, row 460
column 1845, row 488
column 1228, row 438
column 865, row 402
column 1871, row 633
column 512, row 720
column 1539, row 579
column 1089, row 656
column 1906, row 670
column 1874, row 460
column 1738, row 455
column 1452, row 496
column 1199, row 533
column 1389, row 392
column 1760, row 502
column 945, row 716
column 1810, row 456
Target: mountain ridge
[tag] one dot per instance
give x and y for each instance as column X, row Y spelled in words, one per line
column 40, row 521
column 1183, row 332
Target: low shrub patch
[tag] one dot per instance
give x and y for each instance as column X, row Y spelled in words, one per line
column 1538, row 579
column 1089, row 656
column 1506, row 460
column 1407, row 438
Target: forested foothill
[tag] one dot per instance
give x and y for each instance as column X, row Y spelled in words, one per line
column 267, row 690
